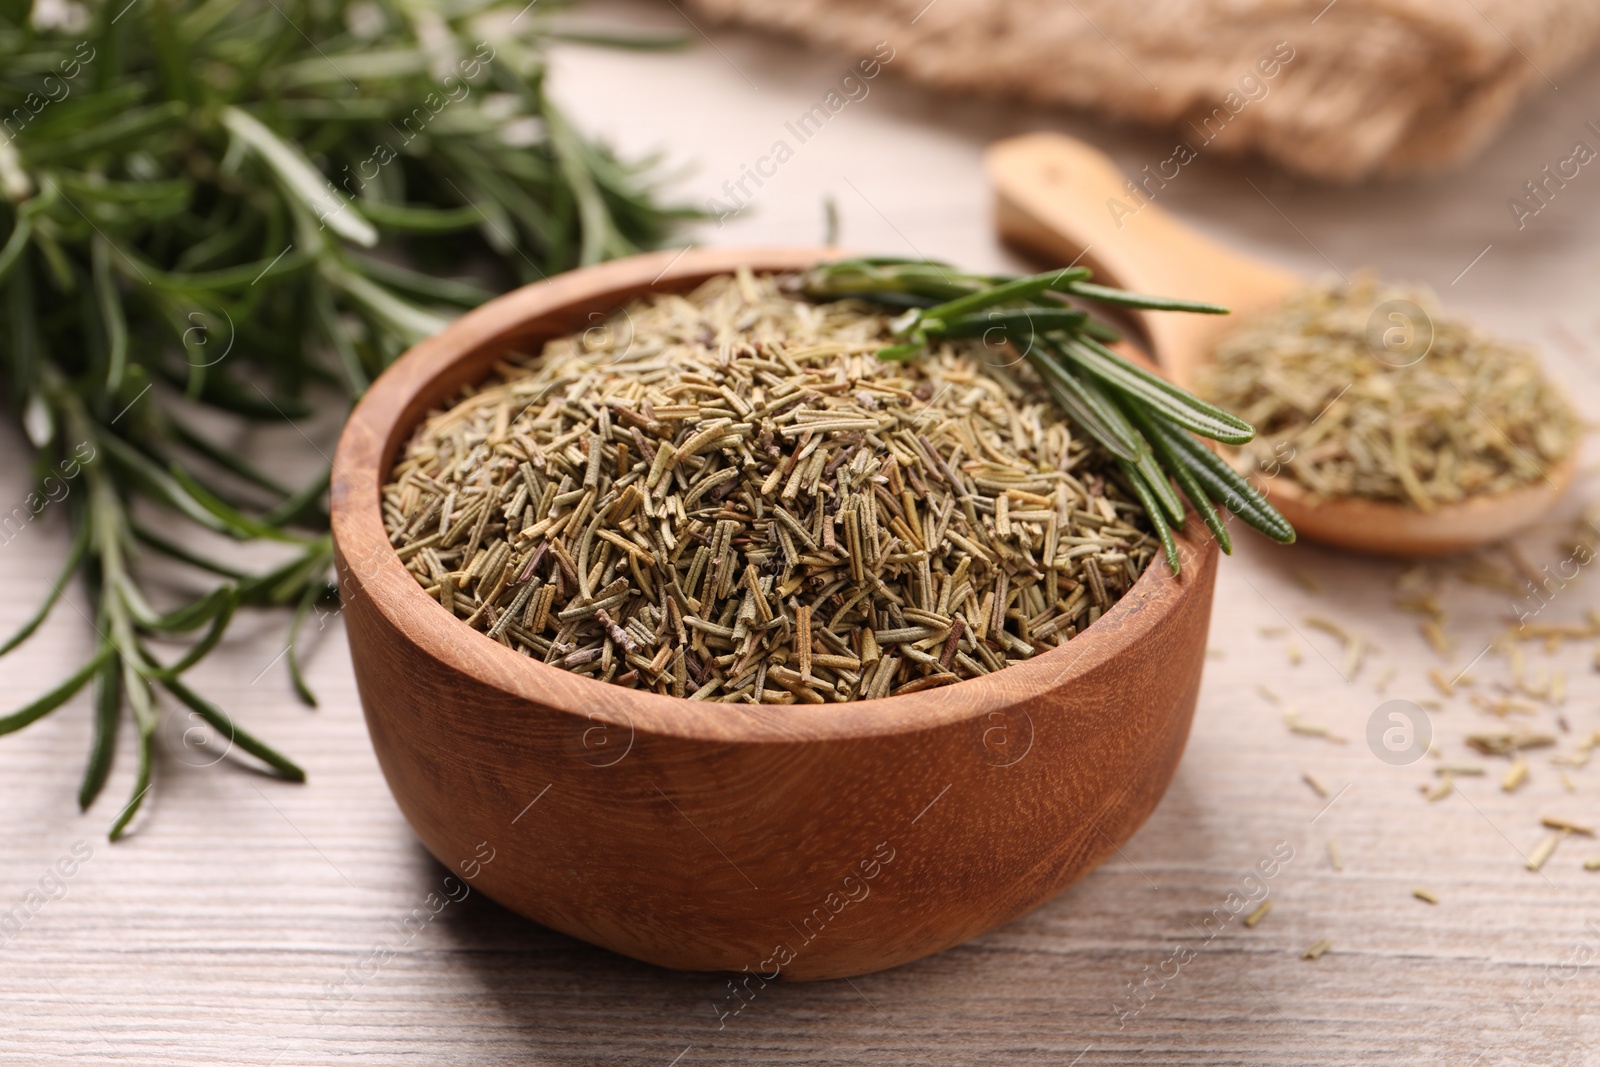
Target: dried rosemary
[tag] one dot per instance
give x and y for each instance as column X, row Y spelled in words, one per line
column 728, row 496
column 1367, row 390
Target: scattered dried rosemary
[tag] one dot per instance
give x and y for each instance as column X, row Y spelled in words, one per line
column 1367, row 390
column 728, row 496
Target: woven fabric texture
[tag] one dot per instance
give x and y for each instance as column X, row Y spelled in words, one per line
column 1339, row 91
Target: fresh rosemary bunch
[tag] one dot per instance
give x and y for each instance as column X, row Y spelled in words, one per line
column 1142, row 419
column 245, row 206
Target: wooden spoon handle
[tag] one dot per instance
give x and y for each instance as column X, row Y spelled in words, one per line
column 1060, row 198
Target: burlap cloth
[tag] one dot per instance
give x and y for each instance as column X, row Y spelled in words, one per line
column 1374, row 86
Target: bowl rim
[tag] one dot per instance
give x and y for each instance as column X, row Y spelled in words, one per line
column 403, row 393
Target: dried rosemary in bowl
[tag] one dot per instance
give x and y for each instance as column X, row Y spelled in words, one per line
column 1368, row 390
column 725, row 495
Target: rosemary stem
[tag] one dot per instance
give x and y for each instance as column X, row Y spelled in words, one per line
column 1142, row 419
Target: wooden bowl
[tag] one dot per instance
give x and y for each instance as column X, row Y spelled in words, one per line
column 815, row 841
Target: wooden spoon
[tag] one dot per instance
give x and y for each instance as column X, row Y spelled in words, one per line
column 1057, row 197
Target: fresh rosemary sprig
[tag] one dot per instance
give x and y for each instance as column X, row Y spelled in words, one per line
column 1142, row 419
column 247, row 206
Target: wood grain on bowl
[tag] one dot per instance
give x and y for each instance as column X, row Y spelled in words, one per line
column 813, row 840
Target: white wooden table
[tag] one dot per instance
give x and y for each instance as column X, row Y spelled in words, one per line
column 208, row 936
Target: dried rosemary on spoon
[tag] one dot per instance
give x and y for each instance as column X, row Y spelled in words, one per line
column 1366, row 389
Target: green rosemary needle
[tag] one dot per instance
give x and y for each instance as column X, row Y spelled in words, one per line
column 251, row 207
column 1142, row 419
